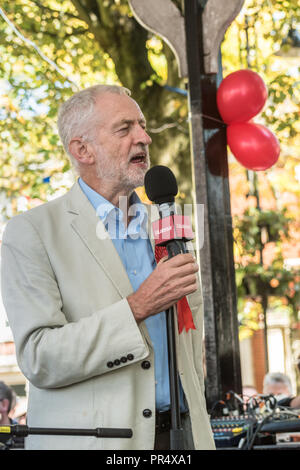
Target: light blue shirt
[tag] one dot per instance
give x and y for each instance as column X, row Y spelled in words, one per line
column 135, row 250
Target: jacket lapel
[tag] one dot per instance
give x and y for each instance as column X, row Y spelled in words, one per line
column 92, row 232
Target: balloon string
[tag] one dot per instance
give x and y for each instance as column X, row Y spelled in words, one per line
column 213, row 119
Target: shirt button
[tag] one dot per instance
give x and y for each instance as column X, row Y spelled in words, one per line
column 130, row 357
column 147, row 413
column 110, row 364
column 146, row 365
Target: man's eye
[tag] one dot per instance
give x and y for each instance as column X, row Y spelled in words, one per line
column 123, row 129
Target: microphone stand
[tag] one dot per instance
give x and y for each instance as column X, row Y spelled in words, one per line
column 19, row 430
column 174, row 248
column 176, row 431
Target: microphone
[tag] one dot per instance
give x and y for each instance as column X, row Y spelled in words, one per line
column 171, row 230
column 161, row 185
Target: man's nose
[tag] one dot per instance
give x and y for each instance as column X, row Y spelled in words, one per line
column 141, row 136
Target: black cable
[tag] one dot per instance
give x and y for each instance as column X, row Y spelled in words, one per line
column 260, row 425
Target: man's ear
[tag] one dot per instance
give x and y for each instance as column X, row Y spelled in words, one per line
column 81, row 151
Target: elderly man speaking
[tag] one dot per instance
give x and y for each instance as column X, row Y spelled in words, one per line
column 86, row 299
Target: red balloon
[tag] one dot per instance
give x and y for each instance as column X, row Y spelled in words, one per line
column 253, row 145
column 241, row 96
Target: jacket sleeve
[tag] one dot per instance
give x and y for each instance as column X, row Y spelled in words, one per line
column 51, row 351
column 196, row 303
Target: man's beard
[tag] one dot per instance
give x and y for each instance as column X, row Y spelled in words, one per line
column 127, row 176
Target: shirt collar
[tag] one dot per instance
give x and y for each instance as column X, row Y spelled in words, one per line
column 105, row 209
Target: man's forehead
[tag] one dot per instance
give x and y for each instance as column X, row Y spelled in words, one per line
column 115, row 109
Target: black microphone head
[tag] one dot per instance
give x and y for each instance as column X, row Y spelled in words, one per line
column 160, row 185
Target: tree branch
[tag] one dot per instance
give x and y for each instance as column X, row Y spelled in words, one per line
column 105, row 18
column 93, row 23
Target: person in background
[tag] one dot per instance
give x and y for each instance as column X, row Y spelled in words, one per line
column 279, row 385
column 7, row 402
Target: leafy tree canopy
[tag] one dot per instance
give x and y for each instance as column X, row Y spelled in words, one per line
column 90, row 42
column 99, row 41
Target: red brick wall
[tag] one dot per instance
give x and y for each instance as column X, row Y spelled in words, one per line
column 7, row 348
column 258, row 358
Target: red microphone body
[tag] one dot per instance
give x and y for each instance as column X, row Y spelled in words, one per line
column 171, row 230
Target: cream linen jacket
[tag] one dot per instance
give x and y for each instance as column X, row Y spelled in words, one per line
column 64, row 290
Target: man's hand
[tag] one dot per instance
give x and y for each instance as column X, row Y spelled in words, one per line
column 171, row 280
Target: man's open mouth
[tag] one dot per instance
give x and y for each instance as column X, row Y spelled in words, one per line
column 139, row 158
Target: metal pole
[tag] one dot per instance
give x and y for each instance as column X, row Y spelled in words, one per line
column 210, row 168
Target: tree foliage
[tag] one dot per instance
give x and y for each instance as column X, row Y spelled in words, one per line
column 99, row 41
column 91, row 42
column 266, row 205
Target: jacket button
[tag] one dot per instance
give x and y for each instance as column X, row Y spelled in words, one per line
column 110, row 364
column 123, row 359
column 117, row 362
column 147, row 413
column 130, row 357
column 146, row 365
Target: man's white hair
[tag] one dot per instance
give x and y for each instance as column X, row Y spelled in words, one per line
column 76, row 115
column 275, row 378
